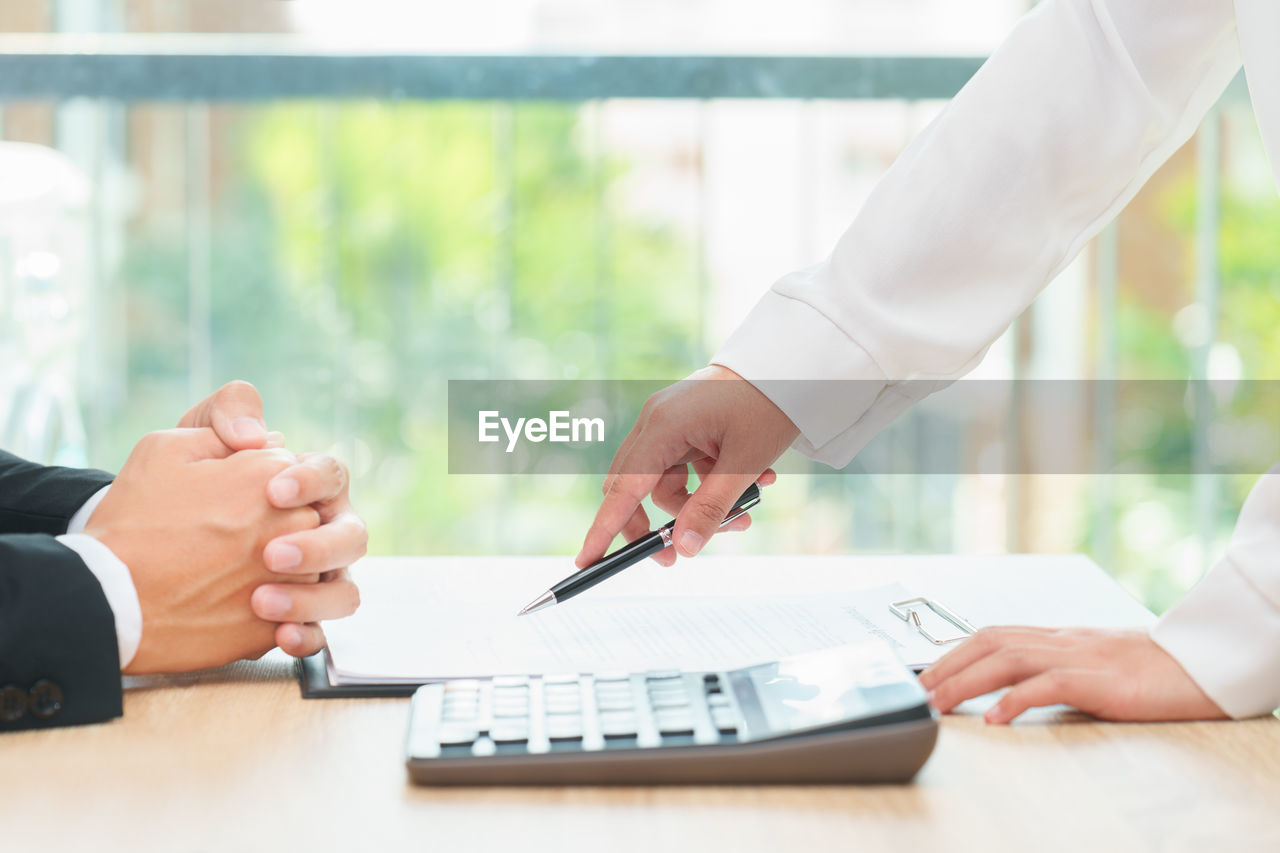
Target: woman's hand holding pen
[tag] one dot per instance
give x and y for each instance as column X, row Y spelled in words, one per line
column 715, row 421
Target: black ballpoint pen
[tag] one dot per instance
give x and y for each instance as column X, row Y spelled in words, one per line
column 628, row 555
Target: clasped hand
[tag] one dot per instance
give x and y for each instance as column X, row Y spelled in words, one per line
column 234, row 544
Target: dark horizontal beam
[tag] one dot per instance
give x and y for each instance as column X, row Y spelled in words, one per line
column 221, row 68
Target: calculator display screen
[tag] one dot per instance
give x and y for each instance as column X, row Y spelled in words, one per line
column 841, row 684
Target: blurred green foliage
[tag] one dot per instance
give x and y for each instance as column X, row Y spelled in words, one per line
column 366, row 253
column 1159, row 550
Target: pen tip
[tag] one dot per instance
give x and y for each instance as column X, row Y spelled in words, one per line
column 545, row 600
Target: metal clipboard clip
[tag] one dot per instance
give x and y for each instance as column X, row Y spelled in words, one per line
column 904, row 611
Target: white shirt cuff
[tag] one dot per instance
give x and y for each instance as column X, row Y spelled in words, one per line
column 823, row 380
column 80, row 520
column 1226, row 635
column 112, row 574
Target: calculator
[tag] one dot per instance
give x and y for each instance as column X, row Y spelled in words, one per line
column 851, row 713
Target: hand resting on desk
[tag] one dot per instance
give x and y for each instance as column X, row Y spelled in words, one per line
column 1113, row 675
column 319, row 481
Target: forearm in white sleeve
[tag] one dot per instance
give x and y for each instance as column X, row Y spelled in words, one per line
column 1226, row 632
column 112, row 574
column 1049, row 140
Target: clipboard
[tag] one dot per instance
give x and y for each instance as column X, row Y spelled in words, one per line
column 908, row 611
column 313, row 680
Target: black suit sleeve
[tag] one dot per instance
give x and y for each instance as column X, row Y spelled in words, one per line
column 59, row 663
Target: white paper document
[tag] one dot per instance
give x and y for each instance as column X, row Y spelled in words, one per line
column 432, row 625
column 431, row 618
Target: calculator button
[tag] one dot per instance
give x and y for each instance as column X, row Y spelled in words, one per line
column 564, row 728
column 615, row 703
column 612, row 677
column 511, row 711
column 512, row 731
column 679, row 739
column 561, row 696
column 662, row 675
column 725, row 721
column 562, row 689
column 502, row 681
column 460, row 714
column 608, row 687
column 484, row 747
column 618, row 725
column 457, row 735
column 611, row 742
column 674, row 724
column 558, row 707
column 669, row 700
column 462, row 685
column 560, row 678
column 720, row 701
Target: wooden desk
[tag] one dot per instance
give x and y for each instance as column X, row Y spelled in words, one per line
column 233, row 759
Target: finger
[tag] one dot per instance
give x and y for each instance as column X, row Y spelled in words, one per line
column 234, row 412
column 1002, row 668
column 738, row 525
column 672, row 490
column 338, row 543
column 305, row 602
column 981, row 644
column 636, row 527
column 1083, row 689
column 768, row 478
column 191, row 444
column 619, row 456
column 317, row 479
column 288, row 523
column 626, row 491
column 275, row 440
column 707, row 507
column 300, row 639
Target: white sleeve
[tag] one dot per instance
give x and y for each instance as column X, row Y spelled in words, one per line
column 1045, row 145
column 1226, row 632
column 112, row 574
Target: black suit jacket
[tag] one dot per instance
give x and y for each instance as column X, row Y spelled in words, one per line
column 59, row 663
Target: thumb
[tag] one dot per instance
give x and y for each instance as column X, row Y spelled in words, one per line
column 234, row 412
column 706, row 508
column 193, row 445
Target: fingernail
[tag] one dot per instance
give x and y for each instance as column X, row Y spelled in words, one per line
column 928, row 697
column 272, row 604
column 282, row 556
column 283, row 489
column 245, row 427
column 993, row 714
column 691, row 543
column 292, row 637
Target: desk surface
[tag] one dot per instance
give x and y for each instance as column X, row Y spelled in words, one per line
column 234, row 759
